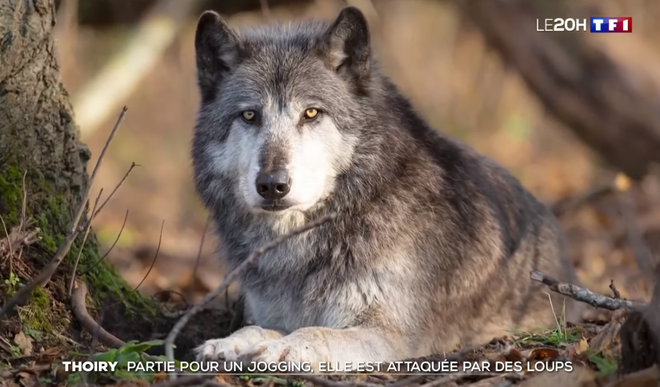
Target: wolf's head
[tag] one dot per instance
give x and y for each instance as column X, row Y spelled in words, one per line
column 280, row 108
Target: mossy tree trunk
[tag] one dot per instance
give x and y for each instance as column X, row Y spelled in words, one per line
column 39, row 139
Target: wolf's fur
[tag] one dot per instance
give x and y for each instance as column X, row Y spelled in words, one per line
column 432, row 245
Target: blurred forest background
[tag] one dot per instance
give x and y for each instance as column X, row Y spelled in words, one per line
column 437, row 56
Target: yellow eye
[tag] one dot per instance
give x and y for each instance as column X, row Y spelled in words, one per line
column 311, row 113
column 248, row 115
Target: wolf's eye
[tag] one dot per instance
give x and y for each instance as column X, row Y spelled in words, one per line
column 248, row 115
column 311, row 113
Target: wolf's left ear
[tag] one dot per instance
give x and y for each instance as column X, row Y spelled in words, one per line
column 346, row 45
column 216, row 48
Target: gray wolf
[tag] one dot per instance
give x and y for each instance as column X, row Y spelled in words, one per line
column 433, row 243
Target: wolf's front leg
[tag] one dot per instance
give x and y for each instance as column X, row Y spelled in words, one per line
column 319, row 344
column 236, row 344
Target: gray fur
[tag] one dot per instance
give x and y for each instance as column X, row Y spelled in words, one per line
column 433, row 243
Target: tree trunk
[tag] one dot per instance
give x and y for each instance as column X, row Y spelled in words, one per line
column 39, row 142
column 581, row 85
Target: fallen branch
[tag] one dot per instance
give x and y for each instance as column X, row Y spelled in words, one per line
column 47, row 272
column 584, row 295
column 79, row 307
column 169, row 341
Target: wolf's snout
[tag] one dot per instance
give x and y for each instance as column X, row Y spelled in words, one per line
column 273, row 185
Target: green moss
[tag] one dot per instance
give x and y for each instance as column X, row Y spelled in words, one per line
column 34, row 315
column 52, row 213
column 11, row 196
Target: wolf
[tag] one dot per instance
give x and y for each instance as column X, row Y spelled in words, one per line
column 432, row 244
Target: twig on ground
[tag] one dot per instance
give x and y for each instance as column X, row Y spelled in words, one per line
column 130, row 169
column 169, row 341
column 16, row 239
column 615, row 291
column 584, row 295
column 193, row 281
column 153, row 262
column 112, row 246
column 79, row 307
column 88, row 227
column 47, row 272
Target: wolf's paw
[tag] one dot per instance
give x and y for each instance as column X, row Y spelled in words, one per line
column 228, row 349
column 287, row 349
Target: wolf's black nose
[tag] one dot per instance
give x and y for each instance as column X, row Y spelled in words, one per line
column 273, row 185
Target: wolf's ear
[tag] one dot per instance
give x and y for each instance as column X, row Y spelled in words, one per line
column 216, row 48
column 346, row 47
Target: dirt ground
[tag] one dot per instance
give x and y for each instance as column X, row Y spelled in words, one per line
column 460, row 86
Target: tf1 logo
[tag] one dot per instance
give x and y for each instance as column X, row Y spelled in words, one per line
column 597, row 24
column 611, row 24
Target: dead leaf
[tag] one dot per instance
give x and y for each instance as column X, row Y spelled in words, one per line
column 161, row 377
column 579, row 377
column 582, row 346
column 24, row 342
column 544, row 354
column 513, row 354
column 607, row 341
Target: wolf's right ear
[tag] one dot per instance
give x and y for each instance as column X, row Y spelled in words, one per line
column 216, row 48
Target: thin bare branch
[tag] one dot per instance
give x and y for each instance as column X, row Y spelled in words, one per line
column 47, row 272
column 615, row 291
column 113, row 244
column 88, row 227
column 193, row 281
column 130, row 169
column 79, row 307
column 169, row 341
column 583, row 295
column 153, row 262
